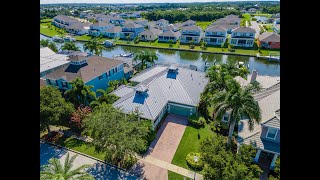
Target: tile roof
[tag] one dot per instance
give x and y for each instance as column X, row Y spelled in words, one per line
column 95, row 66
column 269, row 37
column 256, row 141
column 273, row 122
column 163, row 87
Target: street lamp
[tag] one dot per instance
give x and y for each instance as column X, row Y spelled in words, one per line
column 195, row 170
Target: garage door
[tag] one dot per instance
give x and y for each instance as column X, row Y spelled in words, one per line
column 179, row 110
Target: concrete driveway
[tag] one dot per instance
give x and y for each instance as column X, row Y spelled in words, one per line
column 255, row 26
column 164, row 146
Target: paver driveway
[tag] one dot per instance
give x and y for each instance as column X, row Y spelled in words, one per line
column 164, row 146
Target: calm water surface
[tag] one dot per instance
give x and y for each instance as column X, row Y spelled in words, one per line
column 192, row 58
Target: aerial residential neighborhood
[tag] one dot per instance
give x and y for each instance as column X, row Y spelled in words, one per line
column 160, row 91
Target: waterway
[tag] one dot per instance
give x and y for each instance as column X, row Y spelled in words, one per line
column 187, row 58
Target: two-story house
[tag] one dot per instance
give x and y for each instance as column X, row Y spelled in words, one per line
column 78, row 28
column 131, row 30
column 229, row 22
column 161, row 23
column 243, row 37
column 62, row 21
column 172, row 27
column 116, row 20
column 169, row 35
column 93, row 70
column 189, row 23
column 113, row 32
column 150, row 34
column 191, row 33
column 269, row 40
column 215, row 35
column 97, row 28
column 265, row 137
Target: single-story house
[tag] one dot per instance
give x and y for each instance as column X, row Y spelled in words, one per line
column 160, row 90
column 269, row 40
column 169, row 35
column 149, row 34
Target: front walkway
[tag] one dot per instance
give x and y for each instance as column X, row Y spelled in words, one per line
column 163, row 148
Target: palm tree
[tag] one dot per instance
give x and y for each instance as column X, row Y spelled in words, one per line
column 237, row 101
column 145, row 56
column 70, row 46
column 105, row 97
column 55, row 170
column 93, row 45
column 80, row 93
column 113, row 84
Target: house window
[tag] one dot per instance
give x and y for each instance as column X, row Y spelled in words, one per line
column 100, row 77
column 251, row 34
column 272, row 133
column 109, row 73
column 116, row 69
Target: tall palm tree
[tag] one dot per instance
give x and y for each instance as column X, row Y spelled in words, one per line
column 70, row 46
column 237, row 101
column 56, row 171
column 93, row 45
column 105, row 97
column 80, row 93
column 145, row 56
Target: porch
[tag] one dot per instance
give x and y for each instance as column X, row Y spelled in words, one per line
column 266, row 161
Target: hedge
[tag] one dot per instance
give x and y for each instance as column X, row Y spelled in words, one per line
column 192, row 163
column 196, row 120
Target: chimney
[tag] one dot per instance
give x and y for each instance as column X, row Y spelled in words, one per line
column 253, row 76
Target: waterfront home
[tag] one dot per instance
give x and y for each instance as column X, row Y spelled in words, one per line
column 78, row 28
column 269, row 40
column 149, row 34
column 131, row 30
column 150, row 24
column 128, row 66
column 189, row 33
column 264, row 81
column 62, row 21
column 93, row 70
column 113, row 32
column 142, row 22
column 189, row 23
column 265, row 137
column 169, row 35
column 215, row 35
column 276, row 28
column 160, row 90
column 243, row 37
column 117, row 20
column 172, row 27
column 161, row 23
column 98, row 27
column 229, row 22
column 50, row 61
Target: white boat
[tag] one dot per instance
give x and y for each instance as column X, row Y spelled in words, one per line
column 126, row 55
column 57, row 39
column 69, row 39
column 108, row 43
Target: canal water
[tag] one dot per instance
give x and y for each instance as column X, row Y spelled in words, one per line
column 187, row 58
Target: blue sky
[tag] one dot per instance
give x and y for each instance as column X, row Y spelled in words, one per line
column 128, row 1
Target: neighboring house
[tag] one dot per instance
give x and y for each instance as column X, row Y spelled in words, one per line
column 277, row 15
column 149, row 34
column 264, row 81
column 78, row 28
column 93, row 70
column 172, row 27
column 117, row 20
column 269, row 40
column 276, row 28
column 243, row 37
column 276, row 21
column 97, row 28
column 265, row 137
column 131, row 29
column 151, row 24
column 142, row 22
column 160, row 90
column 62, row 21
column 113, row 32
column 215, row 35
column 128, row 66
column 189, row 33
column 103, row 17
column 161, row 23
column 169, row 35
column 229, row 22
column 50, row 61
column 252, row 10
column 189, row 23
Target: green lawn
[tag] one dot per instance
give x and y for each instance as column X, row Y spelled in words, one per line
column 50, row 30
column 265, row 15
column 203, row 24
column 175, row 176
column 246, row 17
column 82, row 38
column 190, row 143
column 268, row 28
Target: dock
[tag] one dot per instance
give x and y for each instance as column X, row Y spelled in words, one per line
column 269, row 58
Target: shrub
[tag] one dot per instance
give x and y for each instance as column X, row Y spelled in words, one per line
column 192, row 46
column 192, row 163
column 136, row 40
column 53, row 137
column 254, row 19
column 196, row 120
column 170, row 45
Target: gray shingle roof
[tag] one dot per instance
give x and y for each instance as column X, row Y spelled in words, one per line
column 163, row 87
column 78, row 26
column 114, row 29
column 192, row 28
column 65, row 18
column 273, row 122
column 101, row 24
column 269, row 37
column 170, row 33
column 152, row 32
column 215, row 29
column 131, row 25
column 256, row 141
column 186, row 23
column 244, row 29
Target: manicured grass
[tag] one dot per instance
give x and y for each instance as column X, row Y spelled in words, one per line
column 265, row 15
column 175, row 176
column 246, row 17
column 268, row 28
column 80, row 146
column 50, row 30
column 203, row 24
column 190, row 143
column 83, row 37
column 45, row 20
